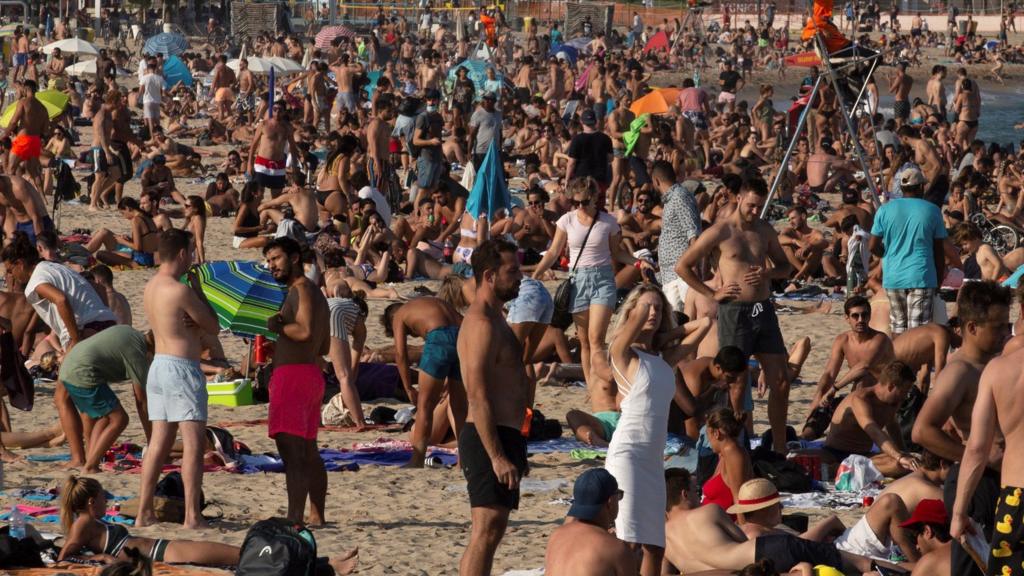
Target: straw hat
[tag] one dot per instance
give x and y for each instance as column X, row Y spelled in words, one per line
column 754, row 495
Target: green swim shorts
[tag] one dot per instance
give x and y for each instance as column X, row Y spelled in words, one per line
column 610, row 421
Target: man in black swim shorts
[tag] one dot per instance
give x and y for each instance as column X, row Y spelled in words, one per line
column 492, row 447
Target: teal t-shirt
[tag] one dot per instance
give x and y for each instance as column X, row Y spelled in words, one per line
column 908, row 228
column 116, row 354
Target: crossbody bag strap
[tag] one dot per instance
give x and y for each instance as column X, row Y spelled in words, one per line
column 584, row 245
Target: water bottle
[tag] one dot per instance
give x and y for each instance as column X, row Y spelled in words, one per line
column 17, row 530
column 404, row 415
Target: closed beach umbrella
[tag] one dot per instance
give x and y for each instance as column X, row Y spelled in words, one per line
column 490, row 192
column 166, row 43
column 243, row 294
column 72, row 46
column 54, row 101
column 327, row 34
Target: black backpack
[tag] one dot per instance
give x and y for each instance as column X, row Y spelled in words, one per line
column 277, row 547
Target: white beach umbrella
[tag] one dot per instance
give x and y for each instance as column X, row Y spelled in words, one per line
column 285, row 65
column 72, row 46
column 83, row 68
column 257, row 65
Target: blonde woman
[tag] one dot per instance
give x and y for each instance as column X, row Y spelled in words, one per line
column 646, row 385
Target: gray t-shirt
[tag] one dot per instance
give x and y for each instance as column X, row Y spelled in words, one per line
column 488, row 126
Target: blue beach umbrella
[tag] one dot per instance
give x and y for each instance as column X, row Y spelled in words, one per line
column 166, row 43
column 490, row 192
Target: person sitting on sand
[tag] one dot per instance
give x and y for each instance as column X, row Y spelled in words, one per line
column 981, row 261
column 881, row 526
column 868, row 416
column 717, row 383
column 143, row 242
column 865, row 350
column 157, row 177
column 103, row 281
column 758, row 518
column 584, row 545
column 705, row 538
column 926, row 348
column 928, row 528
column 221, row 196
column 83, row 506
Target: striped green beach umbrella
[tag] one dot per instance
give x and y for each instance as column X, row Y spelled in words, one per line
column 243, row 294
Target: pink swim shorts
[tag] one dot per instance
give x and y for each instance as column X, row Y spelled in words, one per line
column 296, row 392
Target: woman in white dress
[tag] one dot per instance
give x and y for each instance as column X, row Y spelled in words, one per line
column 646, row 385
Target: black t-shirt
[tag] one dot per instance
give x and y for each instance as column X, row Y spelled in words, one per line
column 591, row 152
column 729, row 79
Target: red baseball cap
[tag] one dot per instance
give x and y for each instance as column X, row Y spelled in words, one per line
column 927, row 512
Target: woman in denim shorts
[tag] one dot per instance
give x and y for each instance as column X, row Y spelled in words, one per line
column 593, row 281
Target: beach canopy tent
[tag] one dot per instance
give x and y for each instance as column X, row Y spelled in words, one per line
column 72, row 46
column 657, row 42
column 567, row 52
column 176, row 71
column 657, row 101
column 166, row 43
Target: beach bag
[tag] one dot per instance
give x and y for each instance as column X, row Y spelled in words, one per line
column 334, row 413
column 18, row 383
column 24, row 553
column 788, row 476
column 562, row 316
column 857, row 473
column 277, row 547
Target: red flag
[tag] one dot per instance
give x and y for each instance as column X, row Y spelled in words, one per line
column 657, row 42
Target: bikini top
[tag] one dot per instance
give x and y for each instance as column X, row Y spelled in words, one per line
column 716, row 491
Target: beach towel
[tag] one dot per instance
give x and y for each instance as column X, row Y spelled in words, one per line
column 633, row 134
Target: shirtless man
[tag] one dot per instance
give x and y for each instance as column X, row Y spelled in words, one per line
column 524, row 80
column 344, row 72
column 583, row 545
column 430, row 72
column 106, row 170
column 221, row 84
column 175, row 387
column 30, row 122
column 25, row 207
column 642, row 227
column 303, row 203
column 981, row 261
column 899, row 86
column 535, row 224
column 121, row 135
column 246, row 102
column 997, row 409
column 556, row 81
column 925, row 349
column 944, row 424
column 699, row 538
column 805, row 248
column 821, row 163
column 21, row 48
column 597, row 92
column 865, row 350
column 297, row 384
column 492, row 450
column 378, row 140
column 932, row 166
column 718, row 381
column 937, row 91
column 744, row 244
column 267, row 153
column 316, row 87
column 868, row 416
column 1017, row 342
column 437, row 323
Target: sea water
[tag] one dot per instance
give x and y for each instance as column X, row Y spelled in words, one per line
column 1000, row 112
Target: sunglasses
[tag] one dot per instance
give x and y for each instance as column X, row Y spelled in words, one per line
column 859, row 315
column 536, row 202
column 579, row 203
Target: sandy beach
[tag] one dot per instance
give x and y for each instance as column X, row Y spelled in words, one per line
column 405, row 522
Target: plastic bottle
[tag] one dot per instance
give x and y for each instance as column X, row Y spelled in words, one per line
column 449, row 250
column 17, row 530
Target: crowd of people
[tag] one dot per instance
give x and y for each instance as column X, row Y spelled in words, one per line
column 679, row 230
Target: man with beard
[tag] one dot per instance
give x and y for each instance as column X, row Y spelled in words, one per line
column 297, row 384
column 865, row 350
column 944, row 422
column 749, row 258
column 492, row 450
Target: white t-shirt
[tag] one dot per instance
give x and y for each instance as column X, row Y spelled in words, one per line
column 596, row 252
column 152, row 88
column 85, row 302
column 383, row 208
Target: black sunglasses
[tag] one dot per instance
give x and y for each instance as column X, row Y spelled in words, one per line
column 536, row 202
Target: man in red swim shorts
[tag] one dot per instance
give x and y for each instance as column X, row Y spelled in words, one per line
column 30, row 122
column 297, row 384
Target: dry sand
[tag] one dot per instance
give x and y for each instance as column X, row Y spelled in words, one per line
column 403, row 521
